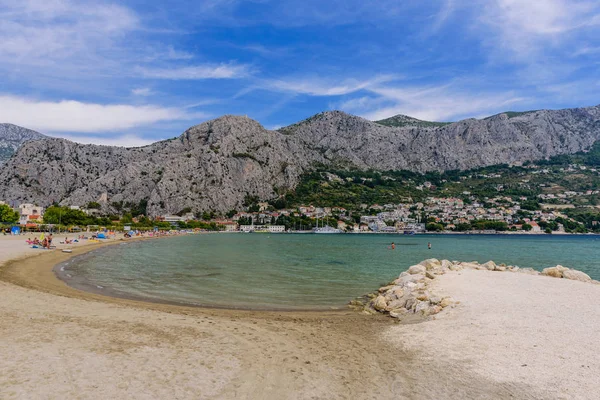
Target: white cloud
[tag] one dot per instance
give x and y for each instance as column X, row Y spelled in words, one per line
column 322, row 87
column 586, row 50
column 208, row 71
column 38, row 31
column 75, row 116
column 527, row 28
column 545, row 17
column 121, row 140
column 141, row 91
column 173, row 54
column 442, row 16
column 441, row 103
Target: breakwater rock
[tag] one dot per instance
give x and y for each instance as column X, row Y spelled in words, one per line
column 411, row 294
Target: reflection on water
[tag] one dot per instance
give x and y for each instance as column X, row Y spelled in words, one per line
column 304, row 271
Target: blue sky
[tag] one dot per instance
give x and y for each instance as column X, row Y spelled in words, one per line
column 132, row 72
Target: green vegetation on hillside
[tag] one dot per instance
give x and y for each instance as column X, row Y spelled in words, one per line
column 590, row 158
column 512, row 114
column 403, row 120
column 350, row 188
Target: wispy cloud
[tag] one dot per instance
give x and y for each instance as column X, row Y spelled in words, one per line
column 37, row 30
column 437, row 103
column 325, row 87
column 144, row 91
column 586, row 51
column 167, row 54
column 75, row 116
column 442, row 16
column 527, row 28
column 208, row 71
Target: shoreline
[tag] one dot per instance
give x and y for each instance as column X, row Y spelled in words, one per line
column 107, row 292
column 86, row 287
column 28, row 272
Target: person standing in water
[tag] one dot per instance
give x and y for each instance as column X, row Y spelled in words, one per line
column 429, row 245
column 393, row 246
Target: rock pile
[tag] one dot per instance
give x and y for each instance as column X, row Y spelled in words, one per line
column 410, row 294
column 562, row 272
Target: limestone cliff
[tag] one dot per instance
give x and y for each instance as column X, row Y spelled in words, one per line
column 212, row 166
column 12, row 137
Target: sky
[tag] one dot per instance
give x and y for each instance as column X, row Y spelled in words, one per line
column 132, row 72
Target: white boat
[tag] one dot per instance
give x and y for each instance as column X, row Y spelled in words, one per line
column 326, row 229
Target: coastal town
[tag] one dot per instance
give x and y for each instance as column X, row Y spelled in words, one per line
column 433, row 214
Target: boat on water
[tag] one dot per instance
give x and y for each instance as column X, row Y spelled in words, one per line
column 326, row 229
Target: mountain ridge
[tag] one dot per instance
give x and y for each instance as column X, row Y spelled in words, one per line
column 12, row 137
column 216, row 164
column 400, row 120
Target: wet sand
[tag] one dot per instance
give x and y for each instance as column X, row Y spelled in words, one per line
column 57, row 342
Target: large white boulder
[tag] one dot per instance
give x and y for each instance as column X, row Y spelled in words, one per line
column 409, row 279
column 554, row 272
column 417, row 269
column 379, row 303
column 490, row 265
column 576, row 275
column 431, row 263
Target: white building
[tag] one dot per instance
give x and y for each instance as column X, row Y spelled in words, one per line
column 173, row 219
column 377, row 226
column 276, row 228
column 30, row 212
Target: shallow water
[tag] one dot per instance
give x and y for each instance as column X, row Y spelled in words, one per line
column 303, row 271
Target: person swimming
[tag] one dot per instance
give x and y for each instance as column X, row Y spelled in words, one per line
column 429, row 245
column 393, row 246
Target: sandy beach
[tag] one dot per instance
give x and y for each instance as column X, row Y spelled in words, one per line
column 511, row 336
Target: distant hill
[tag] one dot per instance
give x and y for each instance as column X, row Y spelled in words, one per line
column 12, row 137
column 404, row 120
column 218, row 164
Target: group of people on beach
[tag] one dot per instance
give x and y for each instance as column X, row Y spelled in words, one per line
column 45, row 242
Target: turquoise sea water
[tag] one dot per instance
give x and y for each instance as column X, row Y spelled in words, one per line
column 301, row 271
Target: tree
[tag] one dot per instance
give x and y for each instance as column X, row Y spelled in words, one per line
column 53, row 214
column 66, row 216
column 127, row 218
column 530, row 205
column 463, row 227
column 432, row 226
column 231, row 213
column 93, row 205
column 7, row 214
column 526, row 227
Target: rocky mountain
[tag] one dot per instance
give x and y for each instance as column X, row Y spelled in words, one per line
column 214, row 165
column 401, row 120
column 12, row 137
